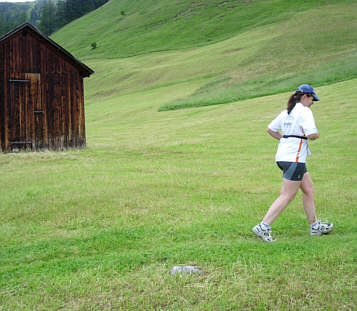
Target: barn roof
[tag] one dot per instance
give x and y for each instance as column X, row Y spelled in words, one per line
column 85, row 70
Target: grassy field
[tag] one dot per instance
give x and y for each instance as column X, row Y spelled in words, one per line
column 100, row 228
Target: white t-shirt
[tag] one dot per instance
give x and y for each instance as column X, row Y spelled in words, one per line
column 299, row 122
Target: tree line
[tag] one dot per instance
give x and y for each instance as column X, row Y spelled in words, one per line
column 47, row 15
column 56, row 14
column 11, row 15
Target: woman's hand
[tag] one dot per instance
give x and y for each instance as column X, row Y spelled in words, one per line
column 276, row 135
column 313, row 136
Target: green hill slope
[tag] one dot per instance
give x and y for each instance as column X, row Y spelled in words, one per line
column 232, row 50
column 124, row 27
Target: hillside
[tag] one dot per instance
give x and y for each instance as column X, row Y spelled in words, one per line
column 236, row 49
column 124, row 28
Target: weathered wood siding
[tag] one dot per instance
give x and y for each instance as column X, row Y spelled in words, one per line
column 41, row 96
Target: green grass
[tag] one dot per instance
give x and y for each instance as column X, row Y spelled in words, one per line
column 151, row 26
column 251, row 54
column 99, row 229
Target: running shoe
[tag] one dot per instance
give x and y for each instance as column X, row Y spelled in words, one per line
column 320, row 228
column 263, row 232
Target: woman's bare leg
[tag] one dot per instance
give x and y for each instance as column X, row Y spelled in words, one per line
column 307, row 188
column 287, row 193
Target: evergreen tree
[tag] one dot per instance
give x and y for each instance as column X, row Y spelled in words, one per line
column 34, row 16
column 2, row 26
column 48, row 17
column 23, row 18
column 61, row 14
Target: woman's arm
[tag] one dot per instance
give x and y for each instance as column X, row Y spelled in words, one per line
column 274, row 134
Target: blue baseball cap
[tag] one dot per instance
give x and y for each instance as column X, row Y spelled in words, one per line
column 305, row 88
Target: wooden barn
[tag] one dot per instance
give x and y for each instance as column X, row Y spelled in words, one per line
column 41, row 93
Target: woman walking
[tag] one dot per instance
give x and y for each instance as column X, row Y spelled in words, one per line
column 297, row 125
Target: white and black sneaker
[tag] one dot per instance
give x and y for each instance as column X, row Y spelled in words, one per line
column 320, row 228
column 263, row 231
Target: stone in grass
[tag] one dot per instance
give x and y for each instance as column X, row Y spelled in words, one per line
column 185, row 270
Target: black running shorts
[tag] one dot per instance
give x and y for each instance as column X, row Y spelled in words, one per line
column 292, row 170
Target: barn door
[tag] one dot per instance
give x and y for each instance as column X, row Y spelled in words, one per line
column 38, row 112
column 24, row 106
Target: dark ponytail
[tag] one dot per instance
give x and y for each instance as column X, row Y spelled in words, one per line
column 295, row 98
